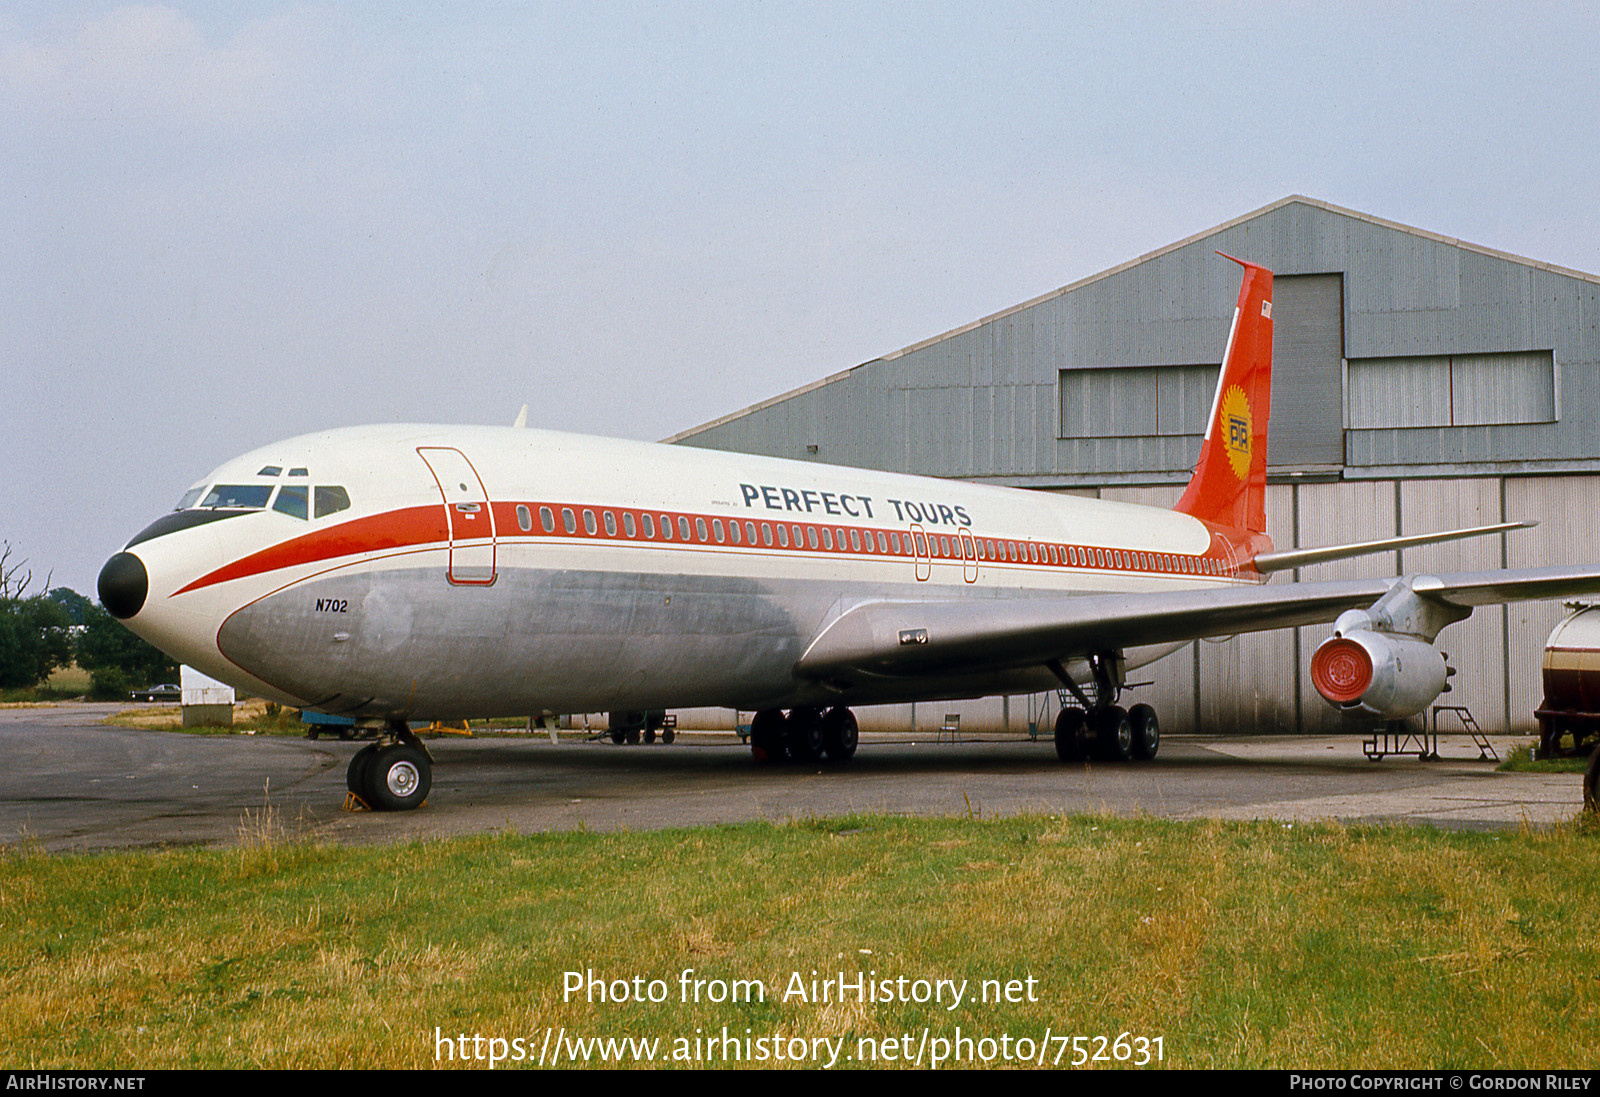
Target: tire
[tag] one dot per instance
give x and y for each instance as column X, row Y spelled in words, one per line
column 1113, row 734
column 1069, row 735
column 840, row 734
column 1591, row 783
column 1146, row 732
column 399, row 778
column 766, row 737
column 649, row 735
column 668, row 735
column 803, row 734
column 355, row 776
column 619, row 736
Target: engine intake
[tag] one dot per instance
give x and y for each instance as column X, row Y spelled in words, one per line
column 1378, row 673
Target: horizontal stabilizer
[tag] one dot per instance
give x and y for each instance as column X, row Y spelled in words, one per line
column 1299, row 558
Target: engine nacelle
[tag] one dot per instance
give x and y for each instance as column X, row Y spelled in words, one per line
column 1378, row 673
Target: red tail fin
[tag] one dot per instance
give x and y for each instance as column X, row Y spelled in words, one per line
column 1229, row 485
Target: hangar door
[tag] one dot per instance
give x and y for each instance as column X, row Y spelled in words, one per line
column 1307, row 426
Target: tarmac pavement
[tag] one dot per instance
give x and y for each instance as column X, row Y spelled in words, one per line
column 73, row 783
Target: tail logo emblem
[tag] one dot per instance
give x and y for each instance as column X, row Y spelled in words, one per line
column 1236, row 421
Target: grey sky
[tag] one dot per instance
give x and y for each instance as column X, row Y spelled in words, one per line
column 229, row 224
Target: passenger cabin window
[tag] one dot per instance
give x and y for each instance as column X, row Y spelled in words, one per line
column 331, row 500
column 292, row 501
column 628, row 525
column 241, row 496
column 547, row 519
column 524, row 518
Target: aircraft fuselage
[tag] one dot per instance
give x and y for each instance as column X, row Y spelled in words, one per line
column 473, row 572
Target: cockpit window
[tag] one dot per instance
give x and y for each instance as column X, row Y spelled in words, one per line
column 190, row 498
column 298, row 472
column 331, row 500
column 292, row 501
column 271, row 470
column 239, row 496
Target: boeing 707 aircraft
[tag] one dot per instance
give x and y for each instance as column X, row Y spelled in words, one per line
column 397, row 573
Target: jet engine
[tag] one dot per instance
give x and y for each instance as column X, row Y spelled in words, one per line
column 1379, row 674
column 1381, row 661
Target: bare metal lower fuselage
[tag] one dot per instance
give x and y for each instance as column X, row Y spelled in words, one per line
column 405, row 642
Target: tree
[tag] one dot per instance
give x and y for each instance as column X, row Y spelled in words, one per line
column 116, row 659
column 70, row 600
column 35, row 633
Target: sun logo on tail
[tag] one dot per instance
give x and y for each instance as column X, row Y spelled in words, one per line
column 1236, row 422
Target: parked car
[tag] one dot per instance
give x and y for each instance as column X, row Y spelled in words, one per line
column 164, row 692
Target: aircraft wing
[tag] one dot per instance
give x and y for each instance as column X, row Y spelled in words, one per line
column 913, row 638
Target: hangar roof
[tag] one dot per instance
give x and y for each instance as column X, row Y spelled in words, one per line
column 1120, row 267
column 1397, row 352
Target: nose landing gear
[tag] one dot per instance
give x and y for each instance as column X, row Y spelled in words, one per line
column 393, row 774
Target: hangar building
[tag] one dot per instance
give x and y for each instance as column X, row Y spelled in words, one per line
column 1420, row 383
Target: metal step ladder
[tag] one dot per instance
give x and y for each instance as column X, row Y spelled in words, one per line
column 1486, row 751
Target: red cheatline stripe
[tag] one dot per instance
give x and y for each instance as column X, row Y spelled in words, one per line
column 392, row 529
column 427, row 525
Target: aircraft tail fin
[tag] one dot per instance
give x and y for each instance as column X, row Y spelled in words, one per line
column 1229, row 485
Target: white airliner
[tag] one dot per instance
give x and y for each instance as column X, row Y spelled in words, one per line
column 396, row 573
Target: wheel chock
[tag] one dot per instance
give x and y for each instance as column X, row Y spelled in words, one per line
column 352, row 802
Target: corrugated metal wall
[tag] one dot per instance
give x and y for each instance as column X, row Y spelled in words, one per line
column 1460, row 373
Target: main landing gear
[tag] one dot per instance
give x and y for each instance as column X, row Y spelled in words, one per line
column 805, row 735
column 1110, row 734
column 1103, row 729
column 393, row 774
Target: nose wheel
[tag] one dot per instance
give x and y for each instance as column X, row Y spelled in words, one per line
column 393, row 774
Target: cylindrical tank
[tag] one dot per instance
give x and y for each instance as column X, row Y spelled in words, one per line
column 1571, row 703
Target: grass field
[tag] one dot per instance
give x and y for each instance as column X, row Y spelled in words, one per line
column 1521, row 760
column 1237, row 945
column 64, row 684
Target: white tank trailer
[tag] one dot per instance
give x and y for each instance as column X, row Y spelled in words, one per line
column 1569, row 716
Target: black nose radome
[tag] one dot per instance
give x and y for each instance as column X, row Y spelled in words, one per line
column 123, row 585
